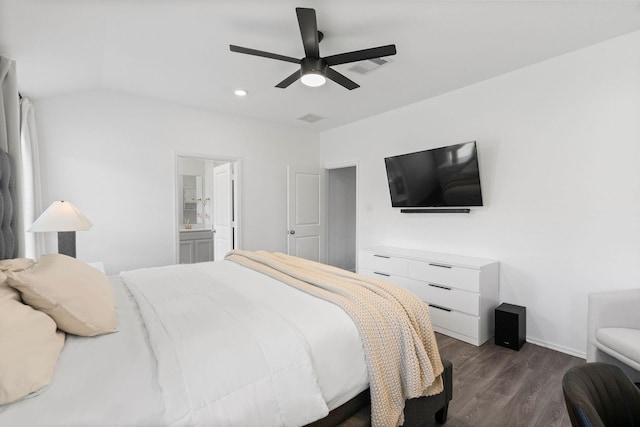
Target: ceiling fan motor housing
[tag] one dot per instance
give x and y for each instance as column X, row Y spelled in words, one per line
column 313, row 65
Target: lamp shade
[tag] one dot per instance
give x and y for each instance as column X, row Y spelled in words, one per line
column 61, row 216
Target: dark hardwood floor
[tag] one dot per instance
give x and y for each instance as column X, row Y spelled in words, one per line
column 495, row 386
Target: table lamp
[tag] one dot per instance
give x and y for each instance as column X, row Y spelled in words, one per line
column 66, row 219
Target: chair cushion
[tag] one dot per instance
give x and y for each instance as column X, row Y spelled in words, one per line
column 620, row 342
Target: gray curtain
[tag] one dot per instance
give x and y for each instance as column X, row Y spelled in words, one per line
column 10, row 138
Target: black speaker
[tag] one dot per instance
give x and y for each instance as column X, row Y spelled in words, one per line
column 511, row 326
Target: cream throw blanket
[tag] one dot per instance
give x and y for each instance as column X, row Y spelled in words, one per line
column 400, row 347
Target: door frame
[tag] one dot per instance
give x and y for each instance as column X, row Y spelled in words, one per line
column 237, row 199
column 325, row 210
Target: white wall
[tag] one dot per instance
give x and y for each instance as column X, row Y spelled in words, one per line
column 559, row 153
column 113, row 156
column 191, row 166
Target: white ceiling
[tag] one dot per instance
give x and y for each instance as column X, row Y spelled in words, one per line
column 178, row 50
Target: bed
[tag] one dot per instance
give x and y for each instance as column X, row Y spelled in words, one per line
column 219, row 343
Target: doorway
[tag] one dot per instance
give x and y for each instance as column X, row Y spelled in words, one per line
column 207, row 207
column 342, row 225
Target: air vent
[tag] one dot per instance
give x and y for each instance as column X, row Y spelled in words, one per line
column 310, row 118
column 365, row 67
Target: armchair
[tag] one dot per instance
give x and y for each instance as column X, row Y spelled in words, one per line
column 600, row 395
column 613, row 330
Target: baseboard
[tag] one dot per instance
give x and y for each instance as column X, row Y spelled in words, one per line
column 560, row 348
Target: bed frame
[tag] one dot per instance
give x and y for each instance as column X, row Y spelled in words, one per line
column 418, row 412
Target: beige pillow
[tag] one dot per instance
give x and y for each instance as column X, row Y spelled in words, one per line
column 77, row 296
column 30, row 346
column 16, row 264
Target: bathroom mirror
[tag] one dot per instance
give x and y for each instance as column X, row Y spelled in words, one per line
column 192, row 199
column 194, row 192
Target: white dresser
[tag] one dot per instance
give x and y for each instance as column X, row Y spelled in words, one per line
column 462, row 292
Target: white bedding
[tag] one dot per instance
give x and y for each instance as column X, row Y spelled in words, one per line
column 222, row 345
column 106, row 380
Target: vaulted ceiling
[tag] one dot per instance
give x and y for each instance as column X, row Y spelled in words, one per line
column 178, row 50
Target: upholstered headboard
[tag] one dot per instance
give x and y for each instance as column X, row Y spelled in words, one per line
column 8, row 237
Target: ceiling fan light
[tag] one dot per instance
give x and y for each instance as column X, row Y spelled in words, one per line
column 313, row 79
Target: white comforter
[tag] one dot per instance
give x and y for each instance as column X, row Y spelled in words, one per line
column 204, row 344
column 235, row 347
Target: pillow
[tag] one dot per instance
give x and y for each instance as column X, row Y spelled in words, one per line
column 30, row 347
column 16, row 264
column 77, row 296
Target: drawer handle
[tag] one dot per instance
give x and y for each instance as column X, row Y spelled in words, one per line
column 439, row 265
column 440, row 308
column 381, row 274
column 433, row 285
column 382, row 256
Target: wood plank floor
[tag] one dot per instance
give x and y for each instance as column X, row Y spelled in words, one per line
column 498, row 387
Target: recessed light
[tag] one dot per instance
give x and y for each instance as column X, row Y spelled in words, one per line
column 240, row 92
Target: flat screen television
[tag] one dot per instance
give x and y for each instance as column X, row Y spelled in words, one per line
column 439, row 177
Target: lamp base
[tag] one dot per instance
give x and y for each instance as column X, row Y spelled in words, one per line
column 67, row 243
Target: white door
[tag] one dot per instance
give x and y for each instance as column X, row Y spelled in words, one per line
column 304, row 218
column 222, row 211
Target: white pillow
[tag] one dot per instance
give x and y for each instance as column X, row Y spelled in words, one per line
column 77, row 296
column 30, row 347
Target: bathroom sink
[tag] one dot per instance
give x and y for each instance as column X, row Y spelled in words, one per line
column 182, row 229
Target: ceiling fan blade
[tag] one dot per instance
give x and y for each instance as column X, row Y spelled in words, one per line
column 287, row 82
column 269, row 55
column 361, row 55
column 341, row 79
column 309, row 31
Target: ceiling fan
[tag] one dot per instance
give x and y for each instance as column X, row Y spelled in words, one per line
column 314, row 70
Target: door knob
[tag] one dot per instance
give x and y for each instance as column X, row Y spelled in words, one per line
column 292, row 231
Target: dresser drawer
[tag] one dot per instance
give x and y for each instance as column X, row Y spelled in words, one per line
column 383, row 263
column 456, row 299
column 454, row 321
column 445, row 275
column 395, row 280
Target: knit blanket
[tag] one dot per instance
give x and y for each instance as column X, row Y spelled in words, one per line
column 401, row 352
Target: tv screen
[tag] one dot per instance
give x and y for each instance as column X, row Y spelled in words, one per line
column 440, row 177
